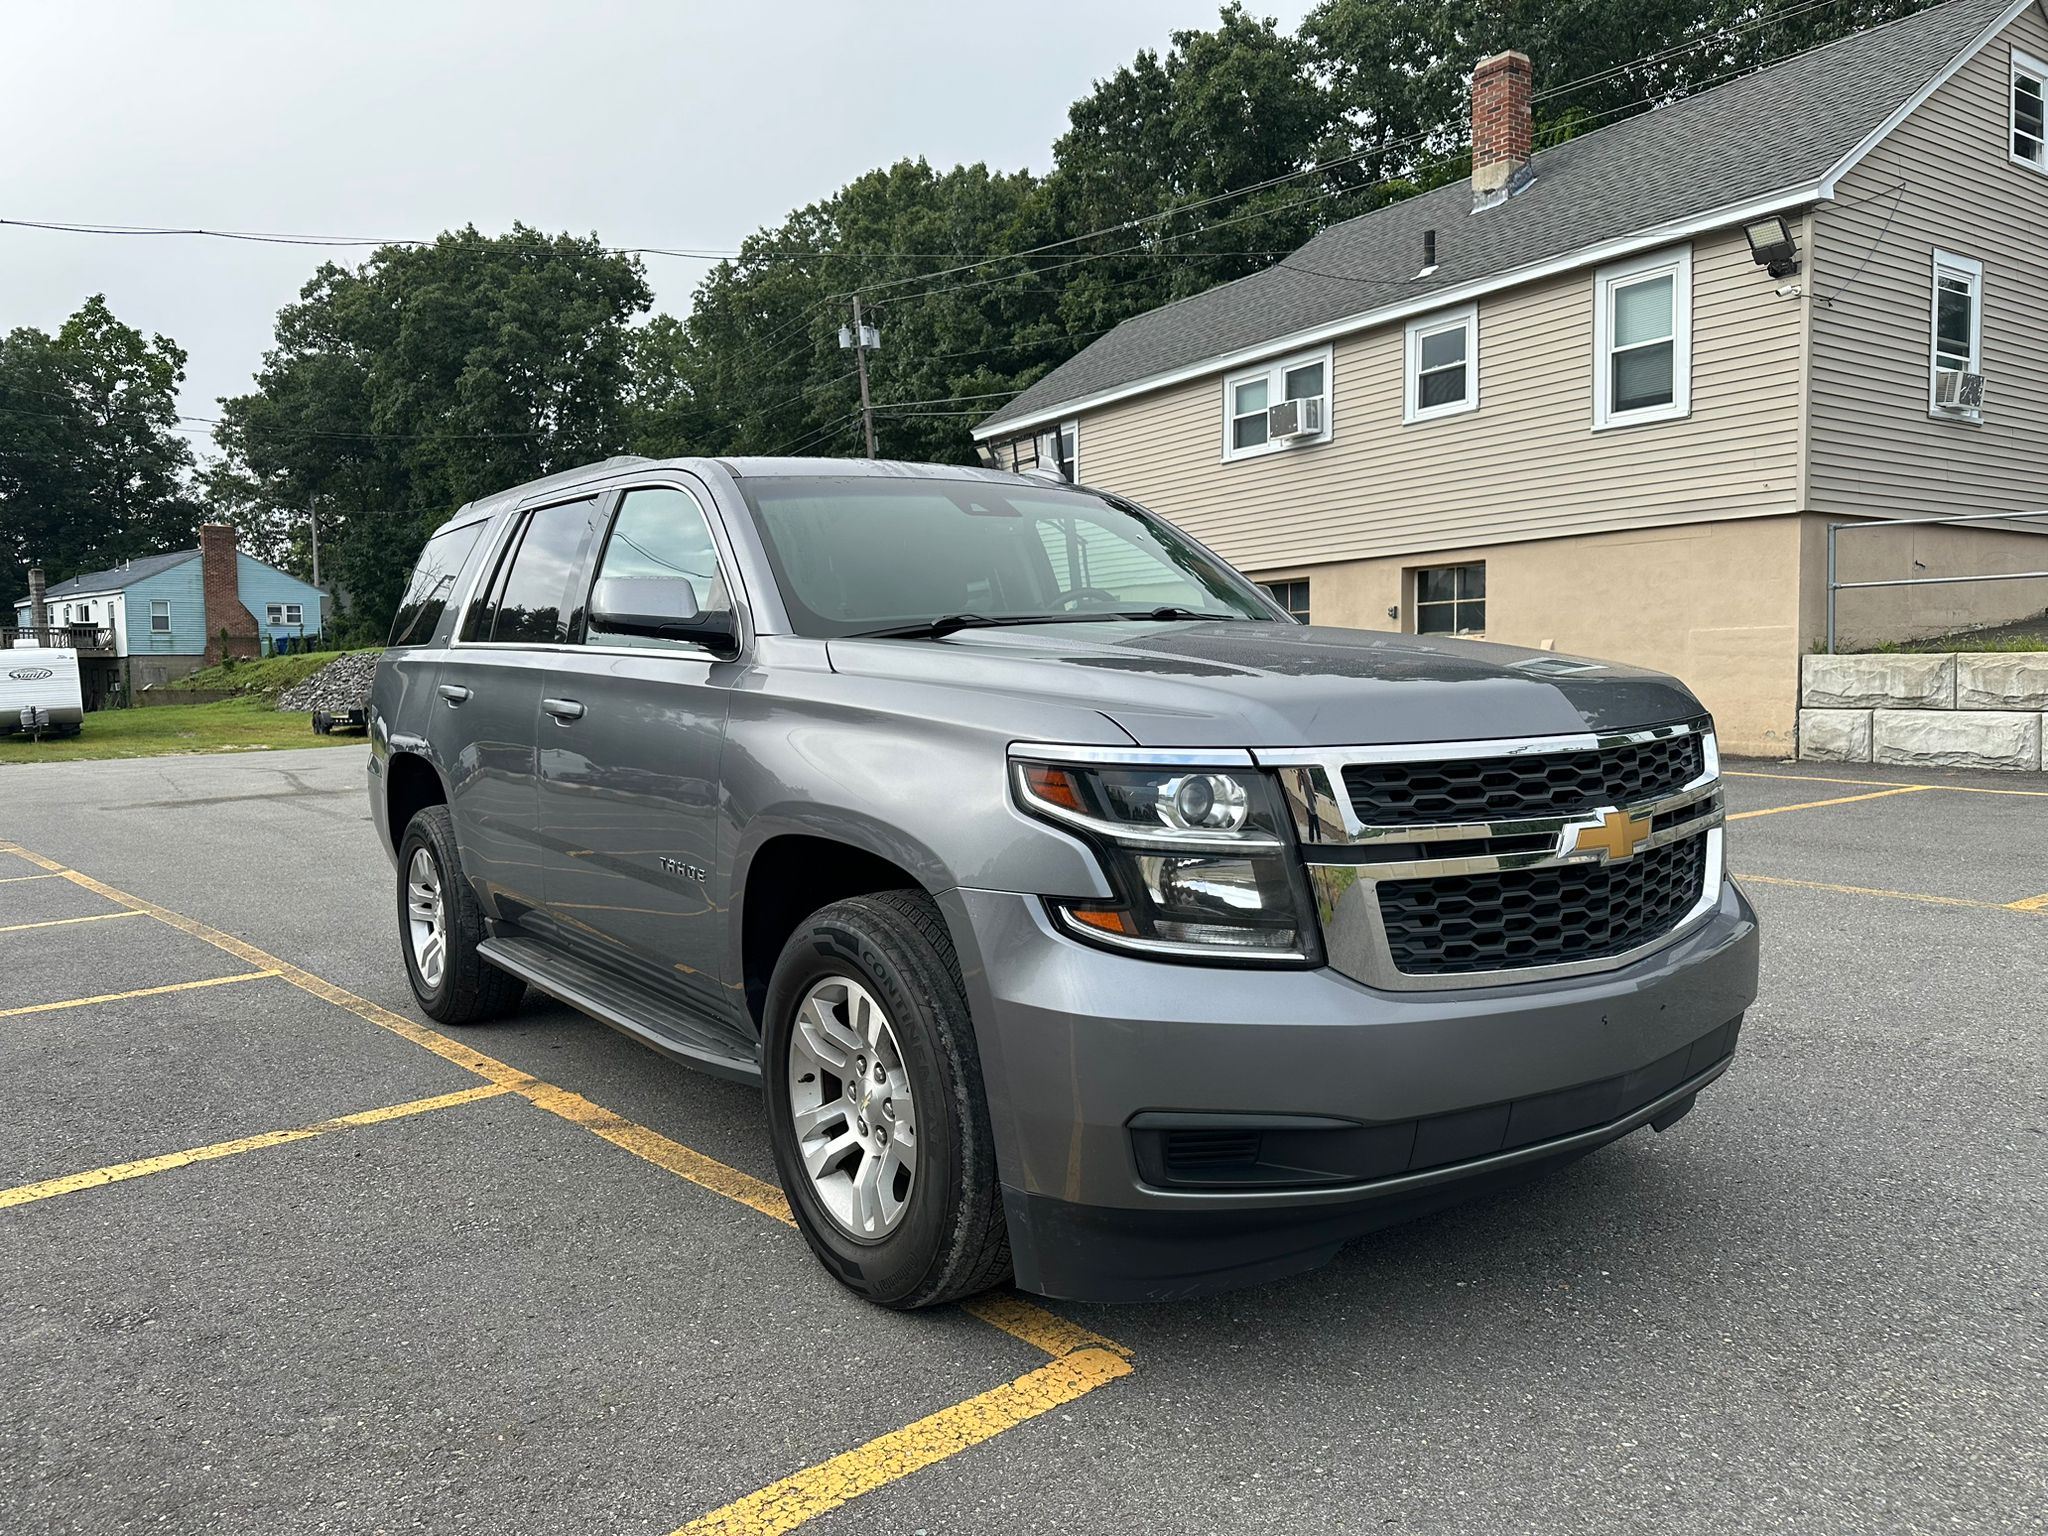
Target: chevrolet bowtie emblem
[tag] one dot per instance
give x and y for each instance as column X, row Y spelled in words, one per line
column 1617, row 835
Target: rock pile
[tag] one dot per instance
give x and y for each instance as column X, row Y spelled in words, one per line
column 343, row 684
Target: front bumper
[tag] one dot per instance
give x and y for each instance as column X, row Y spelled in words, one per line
column 1433, row 1095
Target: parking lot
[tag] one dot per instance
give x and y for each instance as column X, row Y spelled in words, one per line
column 279, row 1257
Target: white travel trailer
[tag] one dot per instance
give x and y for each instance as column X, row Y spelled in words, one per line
column 39, row 691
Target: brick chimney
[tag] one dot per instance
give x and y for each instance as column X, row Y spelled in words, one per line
column 38, row 605
column 1503, row 131
column 223, row 596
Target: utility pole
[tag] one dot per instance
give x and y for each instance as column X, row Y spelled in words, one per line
column 313, row 518
column 862, row 338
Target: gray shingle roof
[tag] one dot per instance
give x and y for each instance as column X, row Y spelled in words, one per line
column 1769, row 132
column 120, row 576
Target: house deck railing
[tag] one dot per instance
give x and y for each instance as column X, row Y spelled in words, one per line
column 86, row 639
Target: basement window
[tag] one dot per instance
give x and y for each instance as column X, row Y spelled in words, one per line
column 2029, row 111
column 159, row 616
column 1451, row 600
column 1291, row 595
column 1642, row 340
column 1443, row 365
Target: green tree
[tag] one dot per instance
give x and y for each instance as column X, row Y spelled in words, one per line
column 426, row 377
column 92, row 466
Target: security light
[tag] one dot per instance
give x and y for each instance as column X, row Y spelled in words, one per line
column 1771, row 245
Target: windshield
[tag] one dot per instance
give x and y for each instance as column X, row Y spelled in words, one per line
column 866, row 553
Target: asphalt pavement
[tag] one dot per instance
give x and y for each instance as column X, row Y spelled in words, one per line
column 550, row 1294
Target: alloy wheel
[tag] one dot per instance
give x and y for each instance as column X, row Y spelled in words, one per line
column 851, row 1105
column 426, row 916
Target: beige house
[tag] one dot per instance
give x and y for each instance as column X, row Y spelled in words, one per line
column 1607, row 398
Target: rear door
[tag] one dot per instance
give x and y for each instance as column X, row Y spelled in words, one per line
column 488, row 696
column 629, row 767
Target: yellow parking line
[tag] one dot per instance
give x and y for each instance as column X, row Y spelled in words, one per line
column 1814, row 805
column 643, row 1142
column 1034, row 1325
column 116, row 997
column 71, row 1183
column 24, row 879
column 1082, row 1360
column 1953, row 789
column 2028, row 906
column 60, row 922
column 785, row 1505
column 448, row 1050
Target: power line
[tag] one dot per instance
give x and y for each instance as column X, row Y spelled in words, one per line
column 1351, row 158
column 348, row 242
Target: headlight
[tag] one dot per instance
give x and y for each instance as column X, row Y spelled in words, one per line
column 1198, row 856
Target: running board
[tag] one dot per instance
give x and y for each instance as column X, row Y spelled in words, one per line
column 629, row 1009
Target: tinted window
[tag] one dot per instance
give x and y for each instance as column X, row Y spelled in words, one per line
column 860, row 554
column 433, row 581
column 661, row 532
column 529, row 601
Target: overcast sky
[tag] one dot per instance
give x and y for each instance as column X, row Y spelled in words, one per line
column 664, row 123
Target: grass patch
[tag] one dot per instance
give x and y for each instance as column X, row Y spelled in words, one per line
column 1947, row 643
column 265, row 677
column 234, row 725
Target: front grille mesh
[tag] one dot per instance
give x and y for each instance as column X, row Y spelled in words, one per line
column 1532, row 917
column 1499, row 789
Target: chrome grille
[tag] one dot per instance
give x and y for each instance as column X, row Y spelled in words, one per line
column 1513, row 788
column 1483, row 863
column 1524, row 917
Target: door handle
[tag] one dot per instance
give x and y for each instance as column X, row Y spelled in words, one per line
column 563, row 710
column 454, row 693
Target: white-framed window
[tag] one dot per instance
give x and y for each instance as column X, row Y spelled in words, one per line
column 1956, row 326
column 1070, row 450
column 1451, row 599
column 159, row 616
column 1291, row 595
column 1642, row 340
column 2029, row 124
column 1443, row 365
column 284, row 613
column 1250, row 393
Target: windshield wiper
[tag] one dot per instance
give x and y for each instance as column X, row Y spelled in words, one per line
column 1171, row 613
column 939, row 628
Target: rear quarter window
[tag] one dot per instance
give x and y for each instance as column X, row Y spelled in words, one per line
column 433, row 583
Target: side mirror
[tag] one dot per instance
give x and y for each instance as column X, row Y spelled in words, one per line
column 659, row 607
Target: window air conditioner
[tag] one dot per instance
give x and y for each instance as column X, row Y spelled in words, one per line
column 1293, row 419
column 1955, row 390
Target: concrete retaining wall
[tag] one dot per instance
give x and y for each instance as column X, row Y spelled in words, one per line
column 1964, row 710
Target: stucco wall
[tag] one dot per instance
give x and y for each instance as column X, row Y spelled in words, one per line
column 1715, row 604
column 1868, row 617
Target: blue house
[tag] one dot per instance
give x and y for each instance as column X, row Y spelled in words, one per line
column 162, row 616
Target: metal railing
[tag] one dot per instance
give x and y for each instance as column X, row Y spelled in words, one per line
column 1836, row 585
column 79, row 637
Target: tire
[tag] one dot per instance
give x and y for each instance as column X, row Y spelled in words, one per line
column 469, row 989
column 947, row 1239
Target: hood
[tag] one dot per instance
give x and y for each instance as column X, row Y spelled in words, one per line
column 1238, row 684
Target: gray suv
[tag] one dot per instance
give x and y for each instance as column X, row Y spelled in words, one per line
column 1081, row 916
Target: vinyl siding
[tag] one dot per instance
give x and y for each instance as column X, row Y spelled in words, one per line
column 263, row 585
column 1942, row 179
column 182, row 587
column 1525, row 465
